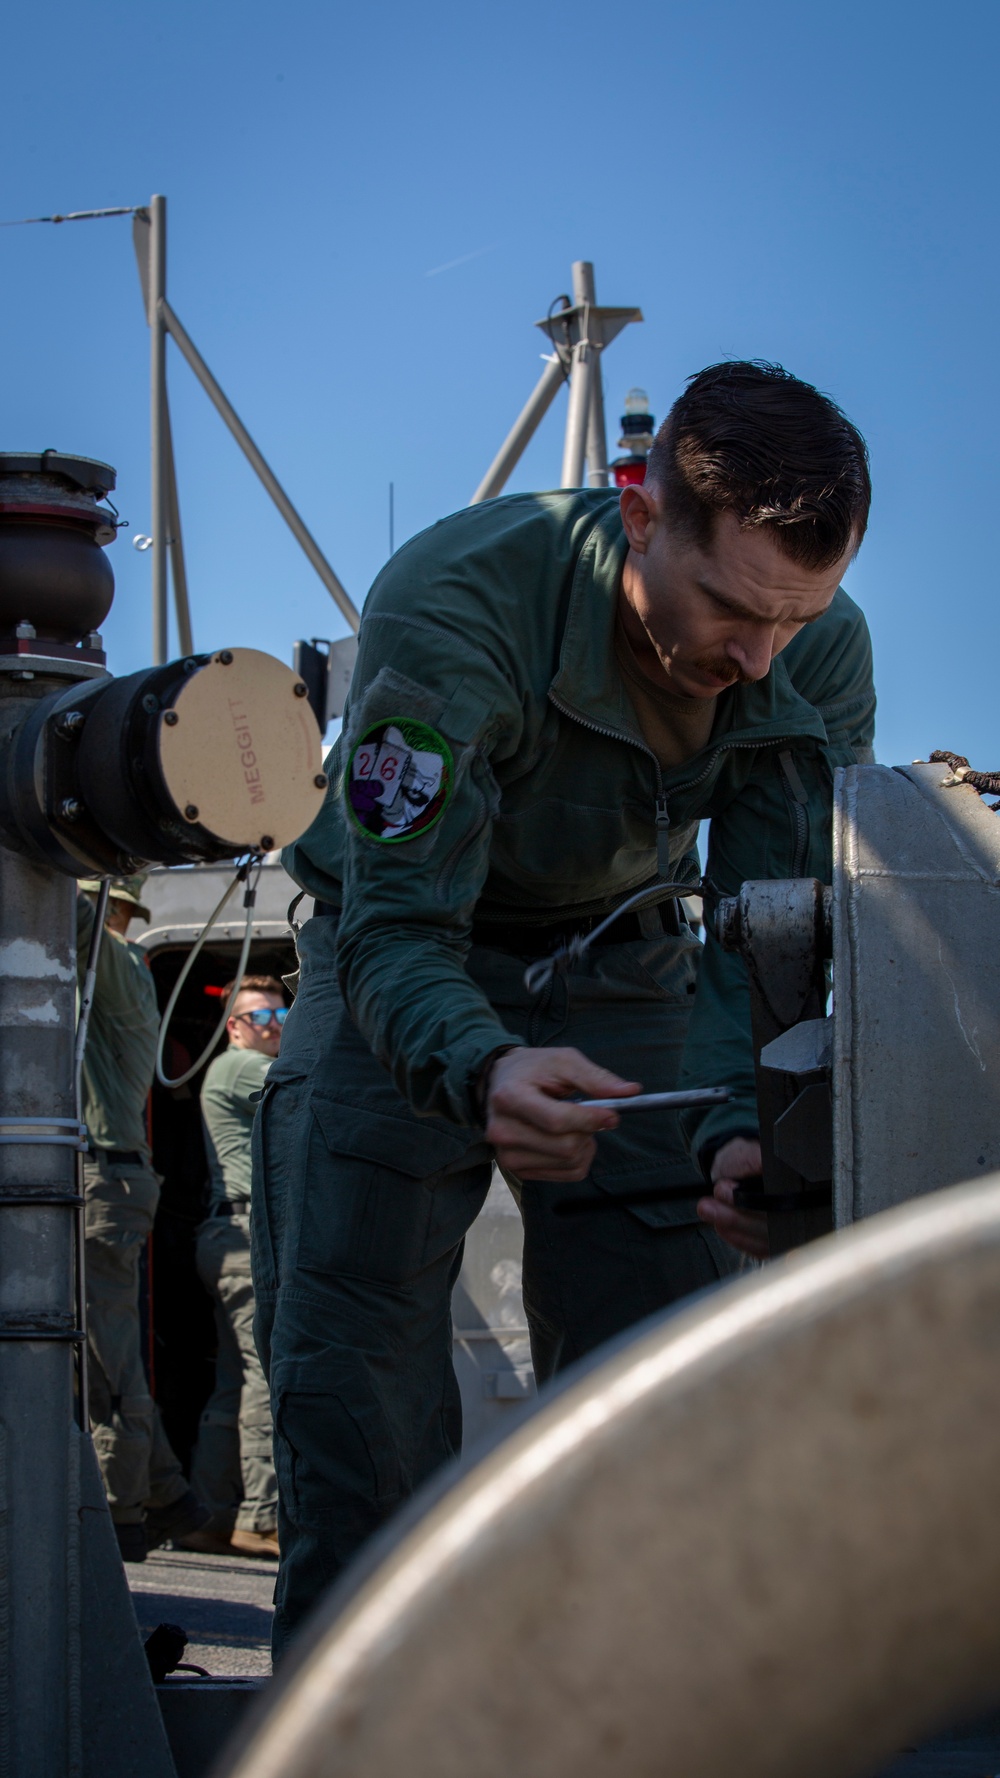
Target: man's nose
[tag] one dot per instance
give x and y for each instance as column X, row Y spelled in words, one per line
column 754, row 651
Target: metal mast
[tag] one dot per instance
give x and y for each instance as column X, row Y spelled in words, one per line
column 149, row 235
column 579, row 332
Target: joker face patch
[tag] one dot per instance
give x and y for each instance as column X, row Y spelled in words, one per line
column 399, row 780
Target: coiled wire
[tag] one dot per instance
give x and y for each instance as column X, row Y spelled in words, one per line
column 249, row 898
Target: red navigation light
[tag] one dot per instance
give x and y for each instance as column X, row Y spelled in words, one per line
column 638, row 429
column 629, row 471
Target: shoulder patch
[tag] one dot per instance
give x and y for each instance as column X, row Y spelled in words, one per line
column 399, row 779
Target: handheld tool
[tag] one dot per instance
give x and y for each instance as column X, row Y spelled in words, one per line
column 659, row 1101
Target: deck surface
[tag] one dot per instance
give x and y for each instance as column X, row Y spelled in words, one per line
column 222, row 1602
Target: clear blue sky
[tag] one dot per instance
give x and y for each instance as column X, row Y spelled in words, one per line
column 805, row 183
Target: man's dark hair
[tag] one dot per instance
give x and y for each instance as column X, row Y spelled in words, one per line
column 751, row 439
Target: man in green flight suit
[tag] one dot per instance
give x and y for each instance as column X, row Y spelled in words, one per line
column 147, row 1492
column 551, row 692
column 233, row 1468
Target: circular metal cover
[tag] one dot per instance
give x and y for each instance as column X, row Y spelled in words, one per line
column 88, row 473
column 760, row 1539
column 243, row 753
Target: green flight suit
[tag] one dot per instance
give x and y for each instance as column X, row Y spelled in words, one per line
column 122, row 1192
column 232, row 1469
column 487, row 682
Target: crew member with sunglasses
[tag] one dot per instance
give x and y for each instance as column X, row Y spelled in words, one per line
column 233, row 1468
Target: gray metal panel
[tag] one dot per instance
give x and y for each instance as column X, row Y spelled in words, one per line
column 760, row 1538
column 181, row 900
column 916, row 966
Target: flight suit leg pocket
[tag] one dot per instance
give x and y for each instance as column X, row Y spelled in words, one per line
column 335, row 1457
column 386, row 1195
column 278, row 1150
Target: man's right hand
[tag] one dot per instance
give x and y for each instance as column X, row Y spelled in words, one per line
column 536, row 1129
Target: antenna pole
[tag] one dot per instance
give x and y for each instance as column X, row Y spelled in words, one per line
column 585, row 330
column 306, row 541
column 597, row 437
column 159, row 422
column 585, row 430
column 175, row 540
column 523, row 430
column 578, row 414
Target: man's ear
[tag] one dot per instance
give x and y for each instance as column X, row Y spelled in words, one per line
column 639, row 510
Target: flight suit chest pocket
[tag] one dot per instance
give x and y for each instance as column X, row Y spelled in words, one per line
column 386, row 1197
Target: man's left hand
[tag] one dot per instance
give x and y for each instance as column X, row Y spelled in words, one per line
column 746, row 1230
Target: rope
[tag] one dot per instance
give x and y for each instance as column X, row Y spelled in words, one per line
column 987, row 783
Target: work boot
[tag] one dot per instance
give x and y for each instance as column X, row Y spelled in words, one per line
column 178, row 1519
column 255, row 1543
column 211, row 1539
column 132, row 1545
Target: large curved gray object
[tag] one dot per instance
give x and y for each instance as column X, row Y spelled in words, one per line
column 762, row 1538
column 916, row 962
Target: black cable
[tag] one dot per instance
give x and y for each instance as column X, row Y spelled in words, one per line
column 564, row 353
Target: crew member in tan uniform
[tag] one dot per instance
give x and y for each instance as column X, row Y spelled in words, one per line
column 147, row 1491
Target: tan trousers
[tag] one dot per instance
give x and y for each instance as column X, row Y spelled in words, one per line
column 232, row 1470
column 137, row 1464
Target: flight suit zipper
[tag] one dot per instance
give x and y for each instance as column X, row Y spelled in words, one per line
column 662, row 816
column 662, row 835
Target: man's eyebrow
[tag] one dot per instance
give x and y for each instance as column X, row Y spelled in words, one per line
column 740, row 610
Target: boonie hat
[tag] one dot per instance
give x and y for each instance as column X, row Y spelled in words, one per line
column 122, row 889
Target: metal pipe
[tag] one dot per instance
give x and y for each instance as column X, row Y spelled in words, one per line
column 584, row 291
column 581, row 383
column 158, row 421
column 80, row 1045
column 597, row 438
column 523, row 430
column 581, row 386
column 304, row 537
column 790, row 1482
column 175, row 541
column 39, row 1688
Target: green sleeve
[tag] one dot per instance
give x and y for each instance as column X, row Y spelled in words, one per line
column 756, row 837
column 404, row 932
column 228, row 1113
column 124, row 988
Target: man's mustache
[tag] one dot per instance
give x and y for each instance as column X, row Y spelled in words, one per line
column 722, row 666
